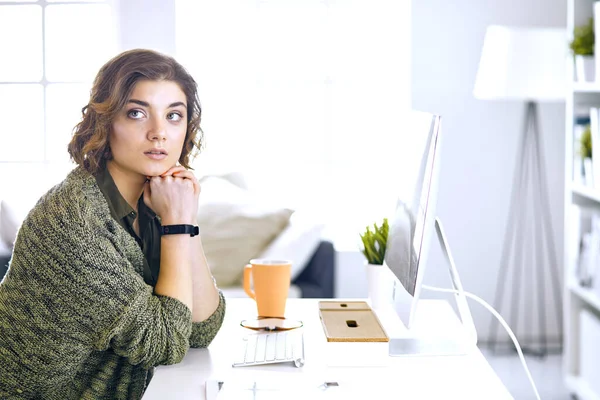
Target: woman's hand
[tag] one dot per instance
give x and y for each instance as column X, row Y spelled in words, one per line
column 174, row 196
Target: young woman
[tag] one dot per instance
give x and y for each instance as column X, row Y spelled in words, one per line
column 108, row 277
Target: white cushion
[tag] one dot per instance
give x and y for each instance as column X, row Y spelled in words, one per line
column 5, row 250
column 235, row 225
column 235, row 178
column 297, row 242
column 9, row 224
column 12, row 213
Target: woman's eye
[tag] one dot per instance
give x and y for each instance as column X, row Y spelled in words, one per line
column 135, row 114
column 174, row 117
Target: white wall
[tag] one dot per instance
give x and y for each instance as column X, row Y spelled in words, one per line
column 480, row 137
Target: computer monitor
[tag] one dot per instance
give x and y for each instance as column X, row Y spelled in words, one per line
column 414, row 221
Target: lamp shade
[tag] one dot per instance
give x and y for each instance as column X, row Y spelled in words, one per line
column 522, row 64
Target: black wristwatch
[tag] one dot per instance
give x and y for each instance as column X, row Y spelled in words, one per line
column 179, row 229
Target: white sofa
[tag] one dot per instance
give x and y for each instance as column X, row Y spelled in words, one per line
column 236, row 225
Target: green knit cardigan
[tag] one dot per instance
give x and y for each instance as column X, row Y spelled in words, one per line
column 77, row 320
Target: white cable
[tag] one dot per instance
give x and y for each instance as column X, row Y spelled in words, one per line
column 499, row 317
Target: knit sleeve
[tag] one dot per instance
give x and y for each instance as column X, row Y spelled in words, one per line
column 86, row 282
column 204, row 332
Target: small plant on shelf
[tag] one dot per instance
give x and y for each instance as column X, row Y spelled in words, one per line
column 585, row 149
column 583, row 39
column 374, row 241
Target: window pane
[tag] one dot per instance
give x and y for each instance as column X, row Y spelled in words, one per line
column 22, row 122
column 21, row 57
column 63, row 106
column 79, row 40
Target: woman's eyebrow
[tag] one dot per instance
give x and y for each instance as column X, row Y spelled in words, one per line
column 140, row 102
column 146, row 104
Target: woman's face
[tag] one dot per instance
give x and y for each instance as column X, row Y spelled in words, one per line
column 147, row 135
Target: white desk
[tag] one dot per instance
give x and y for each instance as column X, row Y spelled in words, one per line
column 447, row 377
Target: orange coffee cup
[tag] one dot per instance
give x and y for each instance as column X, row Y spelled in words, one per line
column 271, row 280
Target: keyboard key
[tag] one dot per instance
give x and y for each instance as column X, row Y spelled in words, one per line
column 289, row 347
column 250, row 350
column 271, row 347
column 261, row 347
column 281, row 347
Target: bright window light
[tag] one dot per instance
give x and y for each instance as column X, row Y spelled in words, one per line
column 22, row 58
column 46, row 77
column 22, row 122
column 64, row 102
column 70, row 55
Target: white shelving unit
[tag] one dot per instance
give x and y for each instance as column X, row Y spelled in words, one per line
column 586, row 87
column 577, row 298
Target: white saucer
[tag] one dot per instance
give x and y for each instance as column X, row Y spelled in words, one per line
column 271, row 324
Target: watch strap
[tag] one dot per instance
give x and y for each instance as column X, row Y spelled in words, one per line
column 179, row 230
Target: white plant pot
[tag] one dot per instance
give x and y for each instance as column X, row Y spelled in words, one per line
column 585, row 69
column 380, row 285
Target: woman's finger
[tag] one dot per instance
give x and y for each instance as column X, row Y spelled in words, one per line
column 186, row 174
column 173, row 170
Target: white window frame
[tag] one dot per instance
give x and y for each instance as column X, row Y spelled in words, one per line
column 44, row 82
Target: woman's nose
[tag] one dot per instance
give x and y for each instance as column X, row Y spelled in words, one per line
column 157, row 130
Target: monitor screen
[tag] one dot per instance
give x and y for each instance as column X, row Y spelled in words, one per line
column 412, row 224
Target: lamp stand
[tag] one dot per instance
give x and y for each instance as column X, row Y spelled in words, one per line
column 529, row 252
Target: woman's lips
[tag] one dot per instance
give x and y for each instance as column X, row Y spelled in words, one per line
column 155, row 155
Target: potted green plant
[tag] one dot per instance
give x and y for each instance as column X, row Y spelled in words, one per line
column 582, row 46
column 374, row 244
column 585, row 152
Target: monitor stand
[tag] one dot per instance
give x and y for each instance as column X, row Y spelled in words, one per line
column 436, row 344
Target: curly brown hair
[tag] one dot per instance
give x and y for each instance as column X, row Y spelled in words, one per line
column 112, row 87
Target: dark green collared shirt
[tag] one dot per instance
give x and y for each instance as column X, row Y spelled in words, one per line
column 149, row 223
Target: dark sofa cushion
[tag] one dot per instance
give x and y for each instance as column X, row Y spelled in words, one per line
column 3, row 265
column 317, row 278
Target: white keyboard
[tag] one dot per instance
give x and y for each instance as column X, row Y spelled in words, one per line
column 271, row 347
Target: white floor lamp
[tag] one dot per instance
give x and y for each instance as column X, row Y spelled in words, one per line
column 526, row 65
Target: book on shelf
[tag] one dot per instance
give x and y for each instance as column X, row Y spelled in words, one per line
column 584, row 246
column 582, row 167
column 595, row 139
